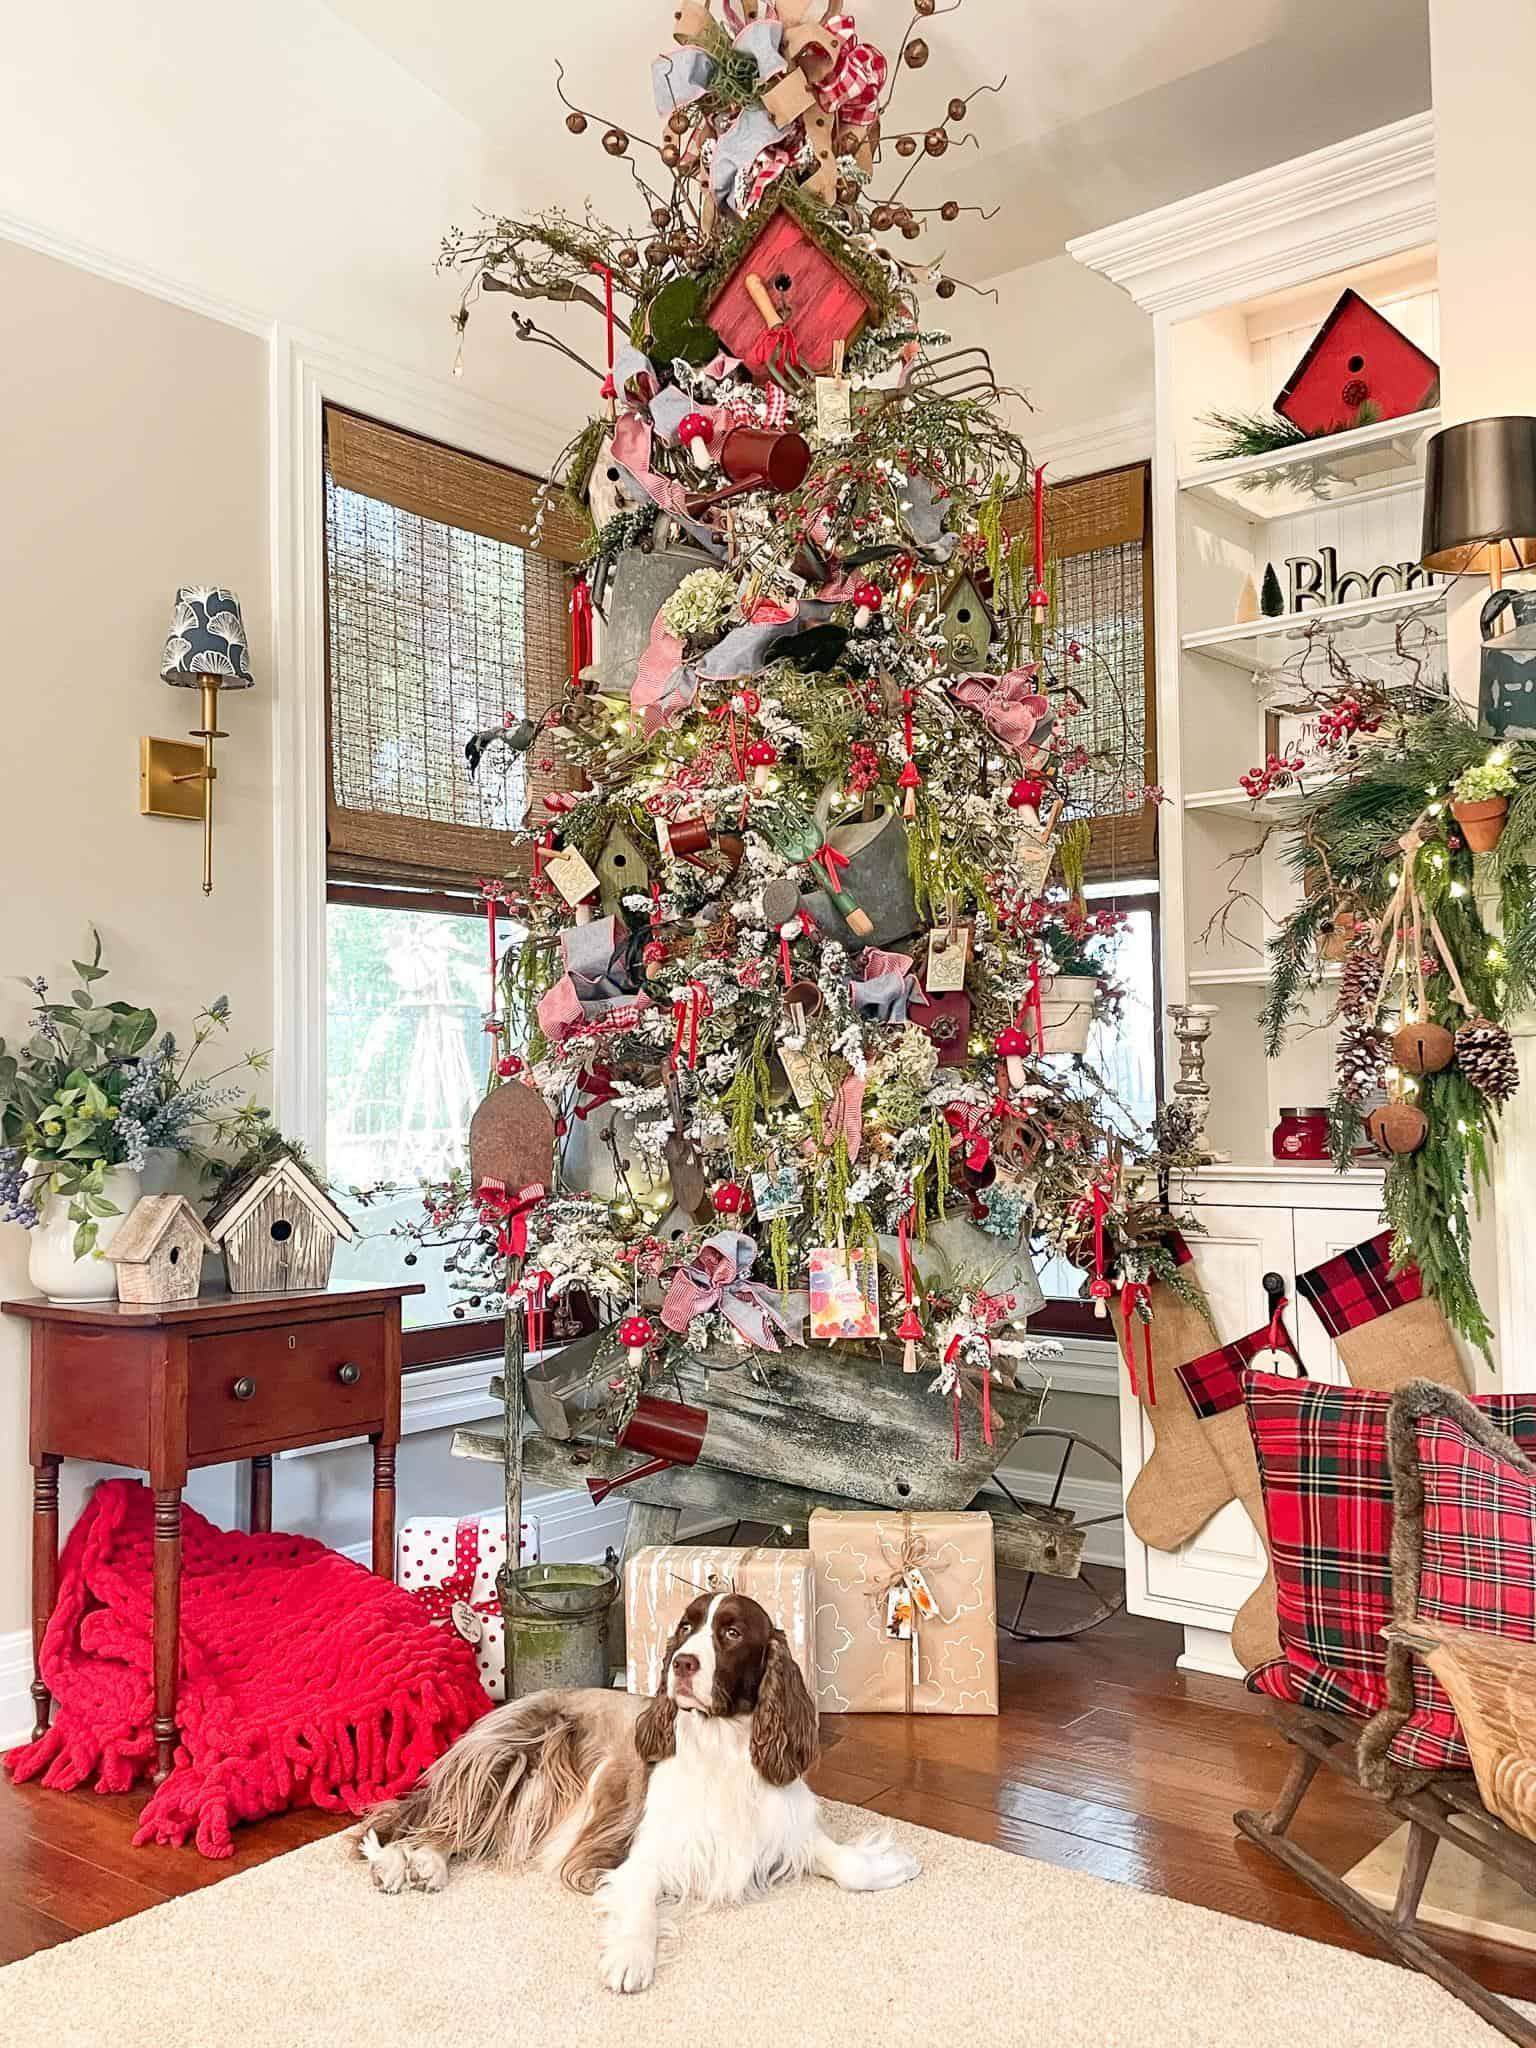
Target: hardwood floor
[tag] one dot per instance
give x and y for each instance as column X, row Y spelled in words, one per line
column 1104, row 1759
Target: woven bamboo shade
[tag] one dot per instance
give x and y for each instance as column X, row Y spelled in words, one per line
column 441, row 621
column 1098, row 536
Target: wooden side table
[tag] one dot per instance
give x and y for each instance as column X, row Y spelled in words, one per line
column 166, row 1389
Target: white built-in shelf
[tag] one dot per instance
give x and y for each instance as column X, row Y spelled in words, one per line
column 1367, row 462
column 1236, row 803
column 1369, row 624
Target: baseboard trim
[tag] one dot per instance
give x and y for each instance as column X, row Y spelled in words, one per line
column 15, row 1687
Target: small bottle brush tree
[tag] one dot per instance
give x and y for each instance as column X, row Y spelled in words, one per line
column 772, row 1054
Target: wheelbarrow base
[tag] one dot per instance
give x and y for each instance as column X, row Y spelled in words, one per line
column 1442, row 1809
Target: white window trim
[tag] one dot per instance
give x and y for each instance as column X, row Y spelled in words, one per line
column 305, row 376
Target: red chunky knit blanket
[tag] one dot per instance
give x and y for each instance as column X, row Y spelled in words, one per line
column 304, row 1680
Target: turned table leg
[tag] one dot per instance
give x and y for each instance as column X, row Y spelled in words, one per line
column 45, row 1577
column 383, row 1509
column 167, row 1624
column 261, row 1494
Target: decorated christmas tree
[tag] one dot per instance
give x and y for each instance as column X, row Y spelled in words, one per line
column 804, row 967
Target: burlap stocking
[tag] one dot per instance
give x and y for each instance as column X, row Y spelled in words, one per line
column 1182, row 1484
column 1386, row 1328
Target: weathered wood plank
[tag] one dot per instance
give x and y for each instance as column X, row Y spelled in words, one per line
column 1031, row 1541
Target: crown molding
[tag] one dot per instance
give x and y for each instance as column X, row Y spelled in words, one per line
column 1106, row 443
column 1354, row 202
column 141, row 277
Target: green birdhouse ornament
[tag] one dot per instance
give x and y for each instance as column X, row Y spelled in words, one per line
column 622, row 868
column 967, row 625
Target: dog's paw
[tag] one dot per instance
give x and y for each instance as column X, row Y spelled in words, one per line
column 628, row 1964
column 885, row 1864
column 427, row 1868
column 387, row 1864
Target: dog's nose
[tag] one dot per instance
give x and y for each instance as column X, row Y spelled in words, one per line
column 684, row 1666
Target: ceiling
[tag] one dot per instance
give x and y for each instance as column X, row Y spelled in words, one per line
column 1110, row 107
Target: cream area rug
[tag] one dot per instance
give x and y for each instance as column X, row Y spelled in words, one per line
column 985, row 1949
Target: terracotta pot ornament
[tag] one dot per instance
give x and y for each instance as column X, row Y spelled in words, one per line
column 1482, row 824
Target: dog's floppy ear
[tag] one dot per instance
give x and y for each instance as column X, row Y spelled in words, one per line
column 656, row 1729
column 784, row 1721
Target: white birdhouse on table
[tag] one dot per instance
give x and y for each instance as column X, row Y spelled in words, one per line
column 277, row 1229
column 159, row 1250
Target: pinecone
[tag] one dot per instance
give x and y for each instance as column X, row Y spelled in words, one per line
column 1360, row 1062
column 1359, row 983
column 1486, row 1054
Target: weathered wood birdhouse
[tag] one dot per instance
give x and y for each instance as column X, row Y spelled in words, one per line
column 967, row 625
column 1358, row 359
column 277, row 1229
column 785, row 278
column 159, row 1250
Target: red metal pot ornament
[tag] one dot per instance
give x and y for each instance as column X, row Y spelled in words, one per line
column 671, row 1432
column 755, row 458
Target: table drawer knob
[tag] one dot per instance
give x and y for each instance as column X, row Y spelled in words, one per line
column 244, row 1389
column 349, row 1375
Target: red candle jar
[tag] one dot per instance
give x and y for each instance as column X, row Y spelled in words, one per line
column 1301, row 1138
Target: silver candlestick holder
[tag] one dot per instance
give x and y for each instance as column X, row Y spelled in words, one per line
column 1192, row 1028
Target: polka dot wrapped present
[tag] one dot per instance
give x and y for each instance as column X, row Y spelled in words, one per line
column 448, row 1564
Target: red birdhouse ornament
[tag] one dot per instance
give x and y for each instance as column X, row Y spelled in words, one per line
column 813, row 301
column 1358, row 359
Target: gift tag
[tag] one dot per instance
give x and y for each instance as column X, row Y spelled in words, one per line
column 776, row 1193
column 1031, row 861
column 898, row 1614
column 845, row 1293
column 922, row 1598
column 834, row 409
column 571, row 875
column 949, row 953
column 466, row 1621
column 806, row 1072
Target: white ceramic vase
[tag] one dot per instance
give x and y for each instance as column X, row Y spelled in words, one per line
column 51, row 1263
column 1066, row 1012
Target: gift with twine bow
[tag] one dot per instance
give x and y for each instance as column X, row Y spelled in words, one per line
column 661, row 1580
column 906, row 1612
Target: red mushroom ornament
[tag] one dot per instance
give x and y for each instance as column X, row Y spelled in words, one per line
column 867, row 600
column 635, row 1332
column 762, row 758
column 1010, row 1046
column 730, row 1198
column 693, row 430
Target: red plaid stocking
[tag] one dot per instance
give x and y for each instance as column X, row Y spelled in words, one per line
column 1386, row 1328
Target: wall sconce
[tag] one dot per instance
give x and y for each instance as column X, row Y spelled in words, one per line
column 204, row 650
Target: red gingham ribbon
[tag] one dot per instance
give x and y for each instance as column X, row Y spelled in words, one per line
column 507, row 1213
column 853, row 86
column 581, row 628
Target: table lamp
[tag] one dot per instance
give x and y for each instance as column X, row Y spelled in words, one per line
column 1480, row 498
column 204, row 650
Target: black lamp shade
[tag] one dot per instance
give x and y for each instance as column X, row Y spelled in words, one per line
column 1480, row 496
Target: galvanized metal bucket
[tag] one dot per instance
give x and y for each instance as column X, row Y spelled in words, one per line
column 557, row 1625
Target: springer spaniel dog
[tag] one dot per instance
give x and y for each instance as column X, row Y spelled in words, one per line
column 696, row 1797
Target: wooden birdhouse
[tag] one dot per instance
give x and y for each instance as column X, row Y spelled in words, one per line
column 277, row 1229
column 623, row 867
column 1359, row 359
column 785, row 276
column 158, row 1252
column 967, row 624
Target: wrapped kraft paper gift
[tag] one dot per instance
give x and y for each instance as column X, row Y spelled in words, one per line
column 449, row 1568
column 661, row 1581
column 906, row 1613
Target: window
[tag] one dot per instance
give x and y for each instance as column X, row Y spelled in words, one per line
column 441, row 620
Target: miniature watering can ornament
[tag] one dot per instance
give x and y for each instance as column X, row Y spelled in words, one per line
column 1507, row 696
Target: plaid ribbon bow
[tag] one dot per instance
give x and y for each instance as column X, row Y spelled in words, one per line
column 507, row 1213
column 852, row 88
column 717, row 1279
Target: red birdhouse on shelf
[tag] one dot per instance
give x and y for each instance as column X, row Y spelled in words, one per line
column 787, row 300
column 1358, row 360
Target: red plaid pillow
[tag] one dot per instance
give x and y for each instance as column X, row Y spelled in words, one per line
column 1477, row 1570
column 1322, row 1455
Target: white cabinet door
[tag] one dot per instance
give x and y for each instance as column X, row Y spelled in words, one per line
column 1205, row 1581
column 1323, row 1234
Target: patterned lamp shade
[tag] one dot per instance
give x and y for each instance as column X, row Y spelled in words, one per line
column 207, row 639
